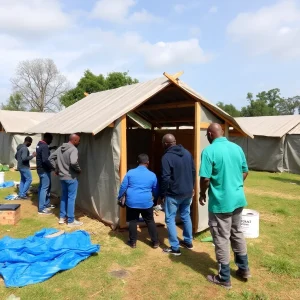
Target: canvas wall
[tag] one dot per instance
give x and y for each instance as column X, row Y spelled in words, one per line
column 8, row 146
column 292, row 153
column 99, row 159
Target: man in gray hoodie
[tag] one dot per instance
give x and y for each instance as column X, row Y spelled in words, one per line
column 23, row 158
column 65, row 161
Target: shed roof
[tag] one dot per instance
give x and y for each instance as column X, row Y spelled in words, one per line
column 271, row 126
column 20, row 121
column 96, row 111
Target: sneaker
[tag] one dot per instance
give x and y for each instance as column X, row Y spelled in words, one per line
column 172, row 251
column 51, row 206
column 217, row 280
column 75, row 223
column 155, row 245
column 243, row 274
column 62, row 221
column 45, row 212
column 24, row 198
column 186, row 245
column 131, row 244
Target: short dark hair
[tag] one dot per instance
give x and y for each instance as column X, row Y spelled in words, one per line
column 28, row 139
column 48, row 135
column 143, row 158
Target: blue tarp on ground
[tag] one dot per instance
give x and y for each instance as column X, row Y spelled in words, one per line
column 7, row 184
column 37, row 258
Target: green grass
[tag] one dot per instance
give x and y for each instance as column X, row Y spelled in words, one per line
column 274, row 257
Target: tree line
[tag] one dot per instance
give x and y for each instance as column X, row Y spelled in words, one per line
column 39, row 86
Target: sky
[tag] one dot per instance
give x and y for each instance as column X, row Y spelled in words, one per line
column 225, row 48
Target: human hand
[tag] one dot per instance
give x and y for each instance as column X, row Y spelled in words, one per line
column 161, row 201
column 34, row 154
column 202, row 199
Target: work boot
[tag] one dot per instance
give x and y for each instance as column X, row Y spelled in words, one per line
column 243, row 274
column 217, row 280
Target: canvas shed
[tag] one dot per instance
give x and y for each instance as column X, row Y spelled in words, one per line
column 111, row 137
column 275, row 147
column 13, row 126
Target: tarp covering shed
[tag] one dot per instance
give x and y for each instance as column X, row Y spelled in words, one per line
column 109, row 145
column 276, row 142
column 13, row 126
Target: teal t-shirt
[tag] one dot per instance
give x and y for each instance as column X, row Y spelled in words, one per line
column 224, row 163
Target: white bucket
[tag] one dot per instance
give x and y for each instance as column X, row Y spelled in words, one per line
column 250, row 223
column 1, row 177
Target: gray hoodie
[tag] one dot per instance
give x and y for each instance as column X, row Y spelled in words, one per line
column 65, row 161
column 23, row 157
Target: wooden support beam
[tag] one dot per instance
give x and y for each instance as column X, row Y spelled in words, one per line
column 226, row 131
column 85, row 94
column 186, row 120
column 123, row 164
column 197, row 150
column 112, row 125
column 235, row 134
column 165, row 106
column 174, row 77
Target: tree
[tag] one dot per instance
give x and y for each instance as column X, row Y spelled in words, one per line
column 265, row 104
column 230, row 109
column 15, row 103
column 40, row 84
column 91, row 83
column 289, row 106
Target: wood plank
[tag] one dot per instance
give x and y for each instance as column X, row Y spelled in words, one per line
column 175, row 121
column 123, row 164
column 165, row 106
column 226, row 130
column 197, row 150
column 235, row 134
column 205, row 125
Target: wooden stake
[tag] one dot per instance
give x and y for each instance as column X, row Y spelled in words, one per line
column 197, row 149
column 226, row 131
column 123, row 164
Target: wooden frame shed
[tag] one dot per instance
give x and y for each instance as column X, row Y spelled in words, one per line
column 105, row 121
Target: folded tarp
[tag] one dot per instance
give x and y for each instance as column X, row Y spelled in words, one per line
column 37, row 258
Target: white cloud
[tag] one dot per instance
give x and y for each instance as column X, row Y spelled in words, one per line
column 271, row 30
column 32, row 16
column 167, row 54
column 214, row 9
column 118, row 11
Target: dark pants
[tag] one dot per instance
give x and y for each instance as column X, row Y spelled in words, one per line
column 133, row 217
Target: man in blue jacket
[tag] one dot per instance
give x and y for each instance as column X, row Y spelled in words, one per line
column 44, row 169
column 23, row 158
column 177, row 187
column 138, row 186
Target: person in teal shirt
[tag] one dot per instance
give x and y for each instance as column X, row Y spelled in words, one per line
column 222, row 172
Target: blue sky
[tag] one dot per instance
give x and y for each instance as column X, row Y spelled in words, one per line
column 226, row 48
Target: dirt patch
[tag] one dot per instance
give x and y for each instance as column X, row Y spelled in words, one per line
column 270, row 194
column 272, row 218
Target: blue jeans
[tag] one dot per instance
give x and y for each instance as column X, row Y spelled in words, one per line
column 26, row 179
column 67, row 201
column 171, row 207
column 44, row 191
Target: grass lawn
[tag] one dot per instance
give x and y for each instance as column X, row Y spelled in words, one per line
column 149, row 274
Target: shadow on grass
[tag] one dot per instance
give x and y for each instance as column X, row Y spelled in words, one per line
column 285, row 180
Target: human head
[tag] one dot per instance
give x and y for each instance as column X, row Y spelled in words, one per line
column 214, row 131
column 28, row 141
column 74, row 139
column 168, row 141
column 143, row 160
column 48, row 137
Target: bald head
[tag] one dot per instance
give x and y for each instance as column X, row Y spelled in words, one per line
column 214, row 131
column 74, row 139
column 168, row 141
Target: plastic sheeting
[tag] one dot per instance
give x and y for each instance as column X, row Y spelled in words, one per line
column 8, row 146
column 37, row 258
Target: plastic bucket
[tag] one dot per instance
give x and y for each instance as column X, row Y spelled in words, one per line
column 250, row 223
column 1, row 177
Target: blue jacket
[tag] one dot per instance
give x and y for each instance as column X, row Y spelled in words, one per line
column 138, row 186
column 178, row 173
column 42, row 158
